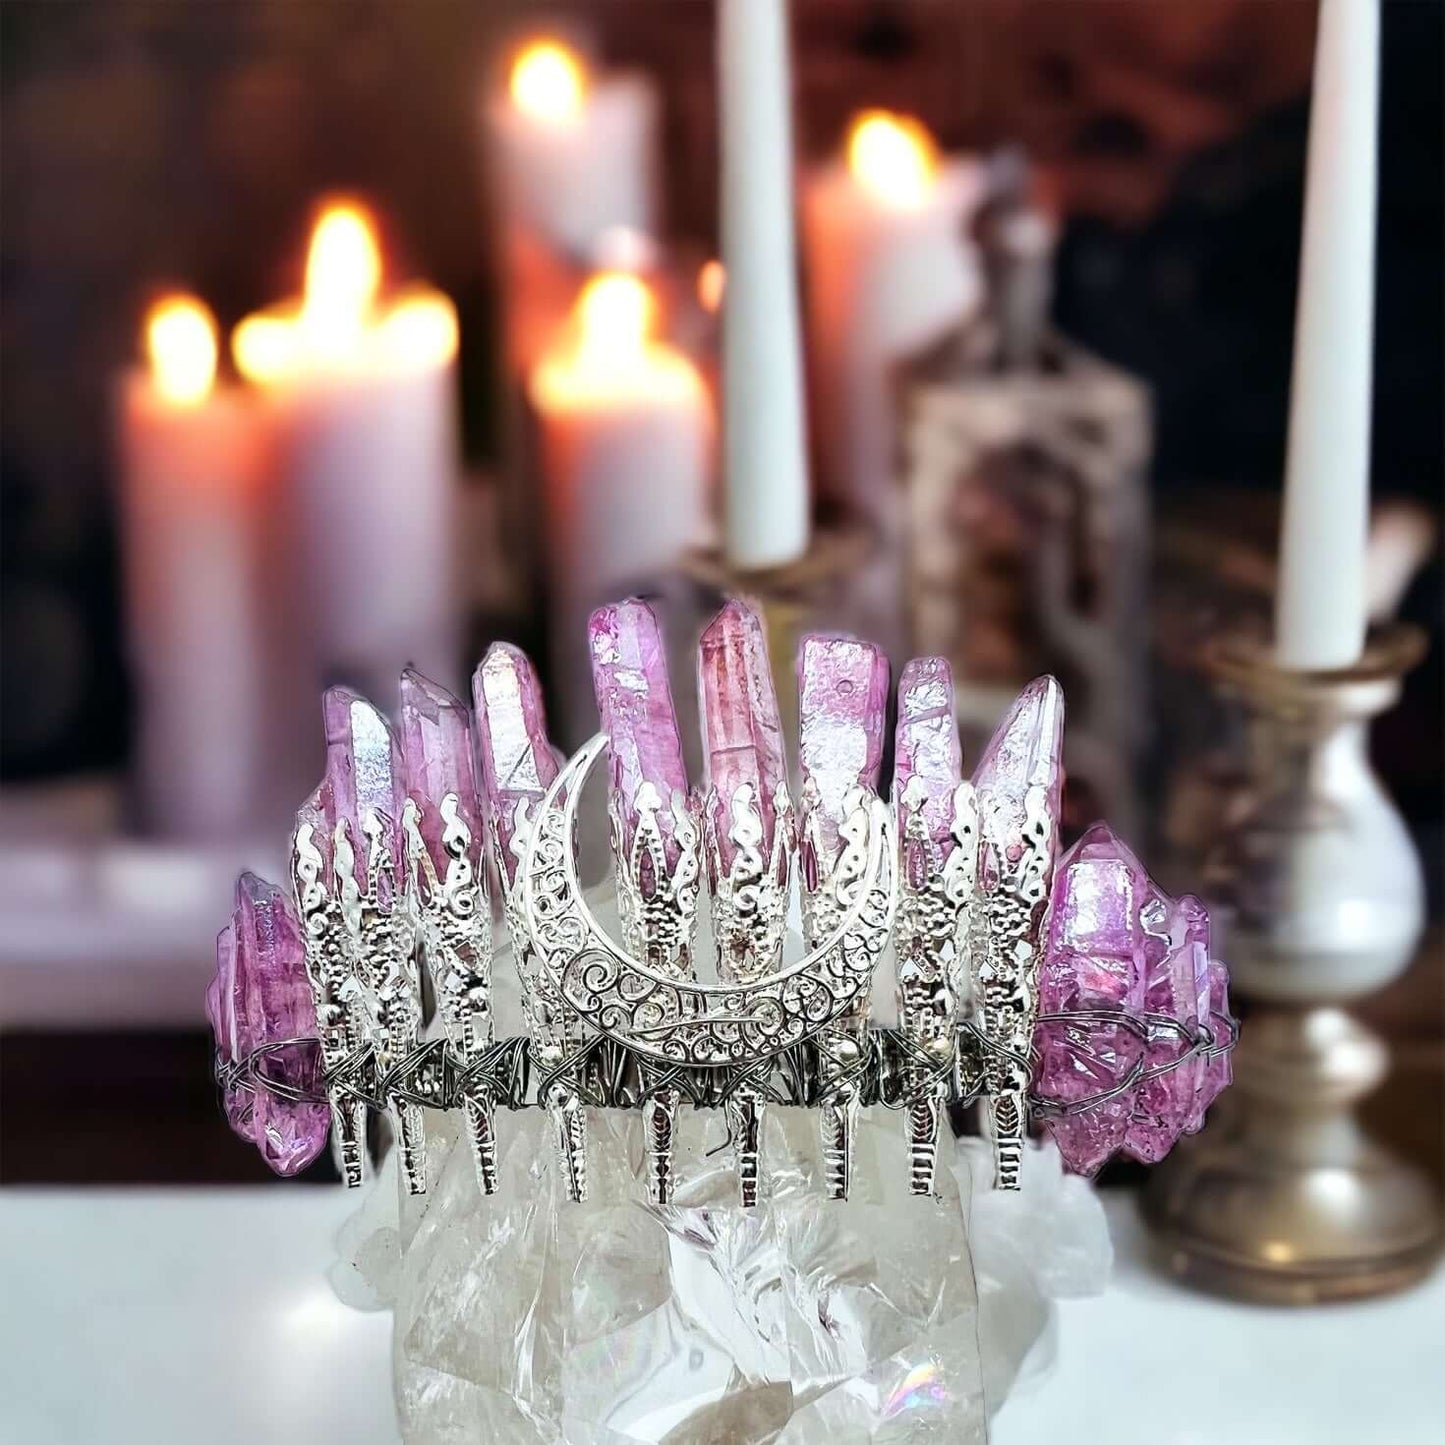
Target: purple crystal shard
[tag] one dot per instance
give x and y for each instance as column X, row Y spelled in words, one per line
column 517, row 762
column 742, row 732
column 843, row 695
column 634, row 701
column 927, row 756
column 1117, row 944
column 1024, row 753
column 436, row 750
column 1176, row 947
column 363, row 773
column 261, row 997
column 1217, row 1073
column 1093, row 961
column 221, row 1012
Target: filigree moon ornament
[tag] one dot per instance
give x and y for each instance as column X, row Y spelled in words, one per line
column 682, row 1021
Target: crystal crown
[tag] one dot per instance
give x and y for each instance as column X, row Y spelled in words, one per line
column 1071, row 990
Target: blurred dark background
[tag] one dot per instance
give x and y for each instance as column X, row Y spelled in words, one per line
column 154, row 141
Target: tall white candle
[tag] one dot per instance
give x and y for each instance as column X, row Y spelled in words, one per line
column 626, row 448
column 764, row 442
column 1320, row 614
column 217, row 678
column 364, row 394
column 889, row 269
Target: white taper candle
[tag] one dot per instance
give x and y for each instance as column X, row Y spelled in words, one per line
column 1320, row 611
column 764, row 447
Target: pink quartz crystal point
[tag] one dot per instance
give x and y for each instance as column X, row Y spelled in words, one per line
column 518, row 763
column 926, row 746
column 363, row 769
column 221, row 1012
column 634, row 701
column 1093, row 960
column 843, row 696
column 1176, row 984
column 436, row 752
column 1218, row 1072
column 742, row 732
column 1025, row 752
column 273, row 998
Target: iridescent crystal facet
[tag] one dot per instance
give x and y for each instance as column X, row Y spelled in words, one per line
column 926, row 747
column 363, row 769
column 843, row 696
column 634, row 701
column 1024, row 753
column 436, row 750
column 517, row 762
column 1118, row 945
column 742, row 733
column 1093, row 962
column 1176, row 984
column 261, row 1001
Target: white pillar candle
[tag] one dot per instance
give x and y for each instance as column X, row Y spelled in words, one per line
column 574, row 155
column 364, row 393
column 215, row 672
column 576, row 152
column 626, row 448
column 889, row 269
column 1320, row 612
column 764, row 441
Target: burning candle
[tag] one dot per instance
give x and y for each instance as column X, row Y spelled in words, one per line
column 1320, row 614
column 575, row 157
column 363, row 389
column 889, row 269
column 626, row 445
column 216, row 679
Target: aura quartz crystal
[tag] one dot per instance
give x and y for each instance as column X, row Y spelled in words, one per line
column 742, row 732
column 1016, row 787
column 1118, row 945
column 634, row 701
column 843, row 698
column 927, row 757
column 260, row 996
column 518, row 762
column 749, row 832
column 437, row 763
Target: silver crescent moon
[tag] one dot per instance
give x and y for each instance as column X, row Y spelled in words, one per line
column 687, row 1021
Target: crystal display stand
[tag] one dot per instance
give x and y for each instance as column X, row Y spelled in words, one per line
column 522, row 1317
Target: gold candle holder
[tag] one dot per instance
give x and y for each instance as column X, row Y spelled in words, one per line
column 1318, row 891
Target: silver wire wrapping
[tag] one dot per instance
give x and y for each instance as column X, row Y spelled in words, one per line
column 630, row 1027
column 612, row 1076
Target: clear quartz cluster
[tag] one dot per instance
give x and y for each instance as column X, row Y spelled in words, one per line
column 527, row 1320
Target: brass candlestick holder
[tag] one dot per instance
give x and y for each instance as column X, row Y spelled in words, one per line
column 1318, row 892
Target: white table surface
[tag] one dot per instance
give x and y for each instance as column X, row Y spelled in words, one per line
column 165, row 1317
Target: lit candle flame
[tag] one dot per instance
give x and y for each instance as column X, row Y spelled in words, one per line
column 614, row 316
column 181, row 346
column 712, row 280
column 342, row 323
column 419, row 332
column 612, row 355
column 893, row 157
column 343, row 276
column 548, row 82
